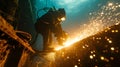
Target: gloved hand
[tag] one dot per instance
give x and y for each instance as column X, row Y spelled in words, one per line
column 61, row 39
column 65, row 35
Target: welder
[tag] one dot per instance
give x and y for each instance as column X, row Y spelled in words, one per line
column 50, row 23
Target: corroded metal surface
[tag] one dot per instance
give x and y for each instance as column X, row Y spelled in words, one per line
column 8, row 29
column 3, row 52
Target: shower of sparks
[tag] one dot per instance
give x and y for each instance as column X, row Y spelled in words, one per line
column 107, row 16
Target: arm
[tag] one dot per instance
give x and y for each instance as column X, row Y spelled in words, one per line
column 60, row 34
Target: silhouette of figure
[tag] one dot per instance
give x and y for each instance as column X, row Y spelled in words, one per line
column 50, row 23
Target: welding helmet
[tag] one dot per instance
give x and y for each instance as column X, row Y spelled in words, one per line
column 62, row 14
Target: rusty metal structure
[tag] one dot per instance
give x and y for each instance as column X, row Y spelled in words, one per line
column 12, row 44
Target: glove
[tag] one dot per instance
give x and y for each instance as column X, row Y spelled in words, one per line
column 61, row 39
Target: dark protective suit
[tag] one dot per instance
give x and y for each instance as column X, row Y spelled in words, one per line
column 49, row 23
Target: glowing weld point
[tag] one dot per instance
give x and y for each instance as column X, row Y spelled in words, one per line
column 68, row 43
column 58, row 48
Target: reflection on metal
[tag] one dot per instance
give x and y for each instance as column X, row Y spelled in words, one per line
column 3, row 52
column 8, row 29
column 12, row 44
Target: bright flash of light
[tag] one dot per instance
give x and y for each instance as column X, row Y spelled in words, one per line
column 63, row 18
column 75, row 66
column 107, row 16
